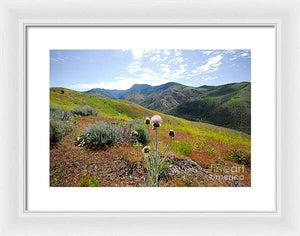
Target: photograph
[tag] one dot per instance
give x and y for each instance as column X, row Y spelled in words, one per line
column 150, row 118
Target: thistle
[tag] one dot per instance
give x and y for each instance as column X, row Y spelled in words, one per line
column 155, row 163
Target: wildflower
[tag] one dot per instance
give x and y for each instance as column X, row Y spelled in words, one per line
column 156, row 120
column 146, row 149
column 155, row 162
column 147, row 120
column 171, row 133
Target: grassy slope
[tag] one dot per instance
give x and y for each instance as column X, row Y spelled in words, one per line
column 122, row 111
column 227, row 106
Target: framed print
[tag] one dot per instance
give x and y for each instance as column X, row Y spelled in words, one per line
column 124, row 121
column 180, row 115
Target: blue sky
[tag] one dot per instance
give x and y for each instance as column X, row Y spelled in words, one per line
column 119, row 69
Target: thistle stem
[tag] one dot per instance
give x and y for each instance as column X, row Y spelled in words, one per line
column 168, row 146
column 166, row 151
column 152, row 144
column 156, row 157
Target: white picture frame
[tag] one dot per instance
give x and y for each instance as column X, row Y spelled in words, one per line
column 16, row 16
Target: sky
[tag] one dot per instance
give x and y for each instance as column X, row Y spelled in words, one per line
column 82, row 70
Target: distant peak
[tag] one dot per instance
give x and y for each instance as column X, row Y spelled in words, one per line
column 170, row 83
column 206, row 86
column 140, row 85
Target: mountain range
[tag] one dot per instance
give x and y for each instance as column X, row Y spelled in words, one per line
column 226, row 105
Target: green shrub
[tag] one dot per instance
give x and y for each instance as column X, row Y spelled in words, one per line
column 58, row 130
column 90, row 111
column 240, row 157
column 182, row 147
column 84, row 111
column 164, row 166
column 143, row 135
column 205, row 146
column 60, row 124
column 60, row 114
column 99, row 135
column 133, row 123
column 211, row 150
column 89, row 181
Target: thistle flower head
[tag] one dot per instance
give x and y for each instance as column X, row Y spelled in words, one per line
column 156, row 121
column 147, row 120
column 171, row 133
column 146, row 149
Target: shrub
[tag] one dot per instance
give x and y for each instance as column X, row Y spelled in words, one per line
column 99, row 135
column 58, row 130
column 84, row 111
column 205, row 146
column 143, row 135
column 90, row 111
column 133, row 123
column 89, row 181
column 60, row 124
column 78, row 110
column 240, row 157
column 60, row 114
column 182, row 147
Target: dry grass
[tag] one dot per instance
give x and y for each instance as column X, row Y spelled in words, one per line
column 122, row 165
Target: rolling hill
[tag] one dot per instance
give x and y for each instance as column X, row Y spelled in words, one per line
column 124, row 111
column 228, row 106
column 225, row 105
column 196, row 149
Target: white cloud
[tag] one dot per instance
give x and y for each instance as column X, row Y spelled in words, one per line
column 244, row 53
column 155, row 58
column 106, row 85
column 212, row 65
column 208, row 78
column 207, row 52
column 180, row 72
column 176, row 60
column 144, row 78
column 182, row 68
column 122, row 82
column 233, row 58
column 147, row 70
column 165, row 68
column 170, row 66
column 158, row 55
column 177, row 53
column 140, row 75
column 134, row 67
column 137, row 53
column 229, row 51
column 166, row 53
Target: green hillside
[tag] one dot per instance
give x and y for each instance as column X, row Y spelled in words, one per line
column 121, row 110
column 225, row 105
column 197, row 149
column 66, row 98
column 228, row 106
column 165, row 98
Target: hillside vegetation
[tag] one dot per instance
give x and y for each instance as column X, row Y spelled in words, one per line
column 196, row 146
column 225, row 105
